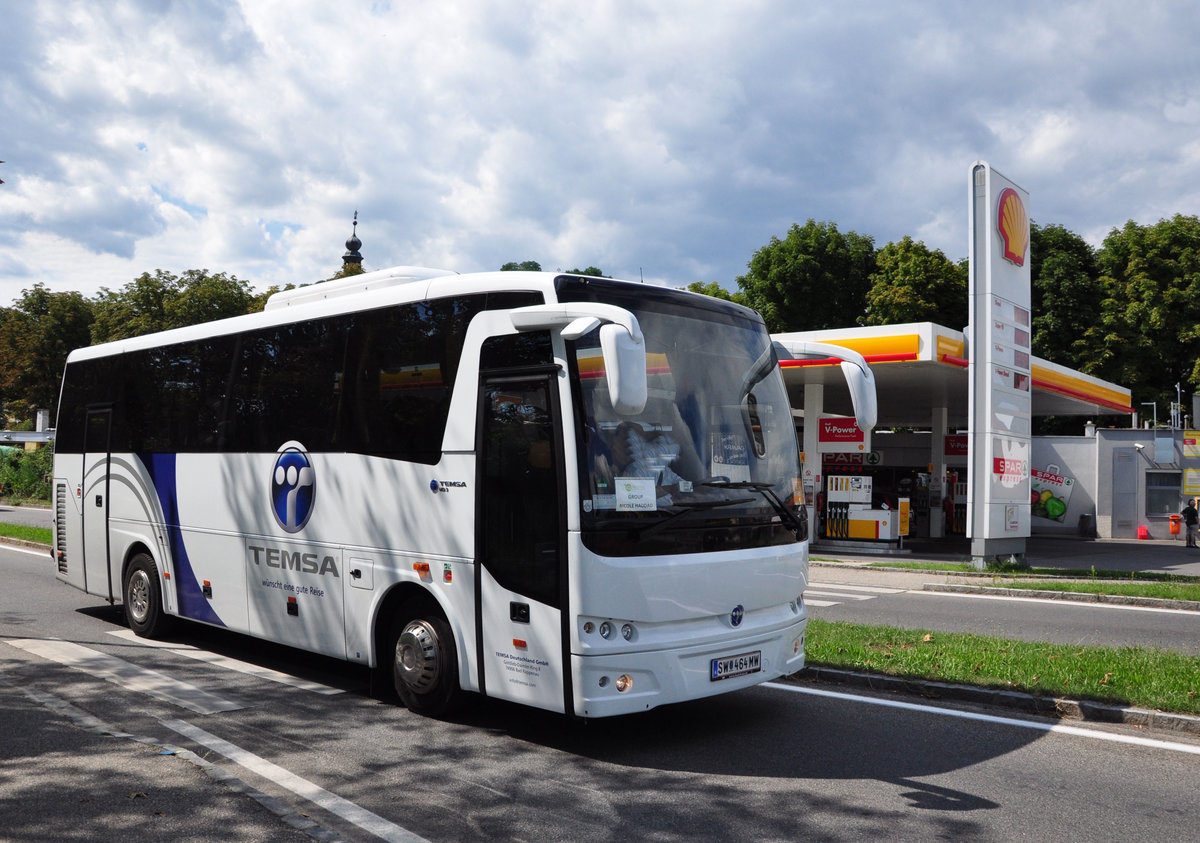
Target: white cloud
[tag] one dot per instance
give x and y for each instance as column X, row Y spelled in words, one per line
column 664, row 139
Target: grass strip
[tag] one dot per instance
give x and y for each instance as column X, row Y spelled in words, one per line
column 41, row 535
column 1160, row 590
column 1129, row 676
column 1047, row 573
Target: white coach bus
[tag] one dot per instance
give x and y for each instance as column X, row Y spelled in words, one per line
column 575, row 493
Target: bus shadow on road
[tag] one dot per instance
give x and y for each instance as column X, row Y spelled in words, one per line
column 769, row 733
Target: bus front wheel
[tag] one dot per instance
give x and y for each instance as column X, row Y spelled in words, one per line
column 425, row 663
column 143, row 597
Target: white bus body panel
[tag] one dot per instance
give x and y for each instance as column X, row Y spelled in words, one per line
column 522, row 660
column 692, row 600
column 207, row 521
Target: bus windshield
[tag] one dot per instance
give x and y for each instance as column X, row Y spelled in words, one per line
column 711, row 463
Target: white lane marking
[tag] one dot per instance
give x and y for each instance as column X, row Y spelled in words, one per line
column 1083, row 604
column 229, row 664
column 816, row 592
column 347, row 810
column 128, row 675
column 991, row 718
column 824, row 593
column 873, row 589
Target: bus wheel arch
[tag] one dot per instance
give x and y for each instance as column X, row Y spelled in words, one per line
column 418, row 654
column 141, row 594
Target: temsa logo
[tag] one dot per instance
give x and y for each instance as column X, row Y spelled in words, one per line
column 293, row 487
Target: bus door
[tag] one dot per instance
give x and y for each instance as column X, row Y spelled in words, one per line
column 97, row 567
column 520, row 586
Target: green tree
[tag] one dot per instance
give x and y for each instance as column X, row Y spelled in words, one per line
column 347, row 270
column 816, row 277
column 1148, row 334
column 259, row 301
column 36, row 334
column 1066, row 294
column 523, row 266
column 913, row 283
column 712, row 288
column 161, row 301
column 592, row 271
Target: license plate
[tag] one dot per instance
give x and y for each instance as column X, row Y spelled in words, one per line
column 730, row 666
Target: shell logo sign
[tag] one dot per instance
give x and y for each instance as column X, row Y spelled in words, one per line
column 1012, row 221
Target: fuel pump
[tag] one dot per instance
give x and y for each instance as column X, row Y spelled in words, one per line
column 847, row 495
column 849, row 515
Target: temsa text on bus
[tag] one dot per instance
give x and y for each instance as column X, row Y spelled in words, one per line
column 278, row 557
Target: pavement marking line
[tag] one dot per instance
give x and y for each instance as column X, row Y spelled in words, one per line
column 213, row 771
column 127, row 675
column 991, row 718
column 218, row 660
column 347, row 810
column 873, row 589
column 1083, row 604
column 820, row 590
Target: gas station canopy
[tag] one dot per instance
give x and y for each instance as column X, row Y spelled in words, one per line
column 919, row 366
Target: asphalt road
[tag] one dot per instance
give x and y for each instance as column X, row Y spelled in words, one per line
column 778, row 762
column 898, row 599
column 30, row 516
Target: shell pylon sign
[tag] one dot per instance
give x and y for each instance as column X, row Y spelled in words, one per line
column 1000, row 370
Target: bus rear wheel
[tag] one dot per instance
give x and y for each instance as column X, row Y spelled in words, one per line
column 425, row 663
column 143, row 597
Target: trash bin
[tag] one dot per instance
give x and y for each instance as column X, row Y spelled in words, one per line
column 1085, row 526
column 1143, row 531
column 1176, row 520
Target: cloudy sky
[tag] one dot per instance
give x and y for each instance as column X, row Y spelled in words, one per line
column 664, row 139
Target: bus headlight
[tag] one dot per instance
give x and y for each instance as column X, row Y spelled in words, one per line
column 606, row 630
column 627, row 631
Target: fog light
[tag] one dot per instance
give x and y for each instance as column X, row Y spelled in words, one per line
column 624, row 682
column 606, row 630
column 627, row 631
column 796, row 647
column 589, row 627
column 603, row 681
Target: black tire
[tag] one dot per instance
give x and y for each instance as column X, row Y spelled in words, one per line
column 424, row 660
column 142, row 596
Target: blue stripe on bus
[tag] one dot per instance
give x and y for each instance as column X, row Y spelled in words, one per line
column 192, row 602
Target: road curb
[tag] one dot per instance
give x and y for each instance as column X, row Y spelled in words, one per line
column 1066, row 709
column 1071, row 596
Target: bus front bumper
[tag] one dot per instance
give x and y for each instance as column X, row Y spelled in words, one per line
column 660, row 677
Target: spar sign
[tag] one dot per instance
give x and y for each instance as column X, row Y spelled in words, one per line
column 1010, row 472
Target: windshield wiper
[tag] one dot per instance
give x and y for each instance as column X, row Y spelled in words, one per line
column 767, row 490
column 684, row 509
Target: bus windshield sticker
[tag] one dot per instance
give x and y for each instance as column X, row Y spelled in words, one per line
column 636, row 494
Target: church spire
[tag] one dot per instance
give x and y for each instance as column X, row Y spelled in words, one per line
column 352, row 256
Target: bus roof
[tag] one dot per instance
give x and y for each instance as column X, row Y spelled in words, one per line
column 368, row 291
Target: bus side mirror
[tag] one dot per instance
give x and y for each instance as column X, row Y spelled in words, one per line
column 621, row 343
column 625, row 369
column 861, row 382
